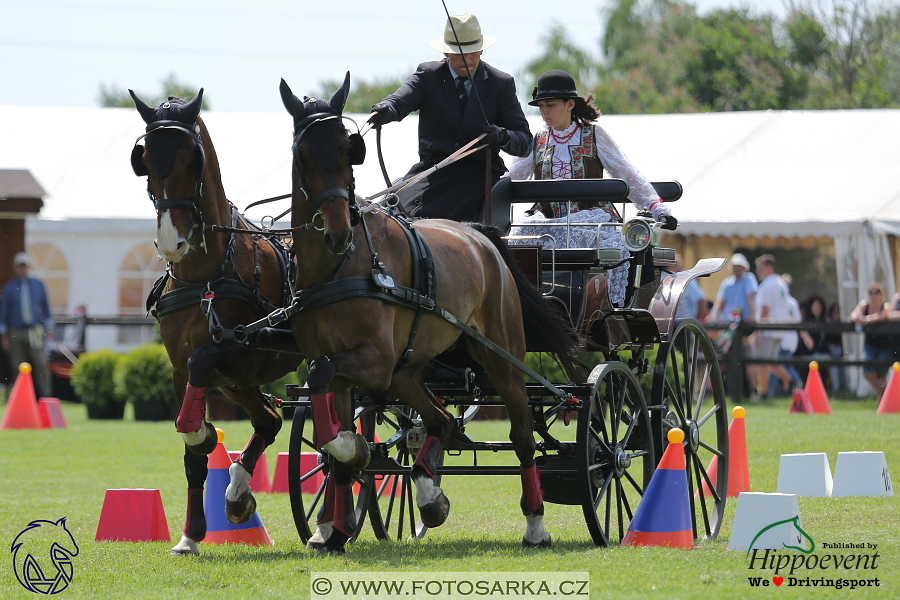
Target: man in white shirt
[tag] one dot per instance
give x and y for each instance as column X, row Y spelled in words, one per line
column 773, row 305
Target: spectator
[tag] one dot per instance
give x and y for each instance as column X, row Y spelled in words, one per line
column 812, row 343
column 876, row 346
column 25, row 323
column 834, row 345
column 774, row 304
column 735, row 300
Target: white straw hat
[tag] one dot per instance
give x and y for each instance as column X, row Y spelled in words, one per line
column 468, row 30
column 739, row 260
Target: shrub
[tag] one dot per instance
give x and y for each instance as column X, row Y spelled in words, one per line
column 145, row 375
column 93, row 378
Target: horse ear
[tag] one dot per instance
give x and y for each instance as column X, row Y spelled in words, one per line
column 137, row 161
column 190, row 110
column 291, row 102
column 147, row 113
column 339, row 100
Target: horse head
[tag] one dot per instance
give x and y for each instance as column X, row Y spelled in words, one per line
column 174, row 162
column 324, row 154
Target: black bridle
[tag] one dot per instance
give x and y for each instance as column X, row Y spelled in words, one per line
column 192, row 203
column 348, row 194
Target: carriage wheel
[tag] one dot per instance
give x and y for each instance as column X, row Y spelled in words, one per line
column 690, row 385
column 305, row 506
column 614, row 452
column 392, row 511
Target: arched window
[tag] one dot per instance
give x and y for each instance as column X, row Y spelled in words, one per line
column 49, row 265
column 140, row 269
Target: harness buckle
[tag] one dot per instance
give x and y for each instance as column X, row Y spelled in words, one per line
column 206, row 301
column 277, row 316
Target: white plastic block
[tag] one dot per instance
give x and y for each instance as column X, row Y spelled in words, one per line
column 862, row 474
column 805, row 475
column 755, row 512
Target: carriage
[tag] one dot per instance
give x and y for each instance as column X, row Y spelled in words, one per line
column 601, row 439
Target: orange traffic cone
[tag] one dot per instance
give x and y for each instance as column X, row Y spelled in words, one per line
column 890, row 400
column 219, row 530
column 801, row 404
column 738, row 469
column 663, row 517
column 816, row 390
column 21, row 409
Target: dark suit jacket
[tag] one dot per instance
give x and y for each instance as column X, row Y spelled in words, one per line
column 457, row 192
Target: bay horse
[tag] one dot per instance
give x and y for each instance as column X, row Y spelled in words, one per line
column 366, row 340
column 213, row 283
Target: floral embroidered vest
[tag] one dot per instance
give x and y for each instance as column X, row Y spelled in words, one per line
column 585, row 165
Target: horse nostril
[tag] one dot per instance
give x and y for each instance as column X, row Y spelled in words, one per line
column 180, row 246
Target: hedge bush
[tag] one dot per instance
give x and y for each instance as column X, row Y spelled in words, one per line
column 93, row 378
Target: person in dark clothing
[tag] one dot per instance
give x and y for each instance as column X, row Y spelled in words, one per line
column 450, row 116
column 812, row 343
column 876, row 347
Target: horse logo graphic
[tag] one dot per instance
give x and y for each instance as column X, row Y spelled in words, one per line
column 800, row 532
column 33, row 545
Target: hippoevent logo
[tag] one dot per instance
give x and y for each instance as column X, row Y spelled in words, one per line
column 808, row 569
column 42, row 556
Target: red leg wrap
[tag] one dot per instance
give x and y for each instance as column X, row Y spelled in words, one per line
column 344, row 514
column 531, row 489
column 195, row 521
column 326, row 513
column 325, row 420
column 428, row 455
column 193, row 410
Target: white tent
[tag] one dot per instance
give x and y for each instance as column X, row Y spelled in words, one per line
column 768, row 174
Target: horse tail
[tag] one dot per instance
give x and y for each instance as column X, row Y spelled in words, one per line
column 545, row 328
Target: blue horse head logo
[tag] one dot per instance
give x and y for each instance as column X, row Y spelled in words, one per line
column 42, row 556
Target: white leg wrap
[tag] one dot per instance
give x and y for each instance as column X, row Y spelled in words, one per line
column 343, row 447
column 534, row 529
column 195, row 437
column 240, row 482
column 185, row 546
column 426, row 491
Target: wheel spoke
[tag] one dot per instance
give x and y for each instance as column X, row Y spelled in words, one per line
column 690, row 372
column 706, row 417
column 317, row 497
column 628, row 432
column 599, row 440
column 690, row 487
column 673, row 394
column 710, row 487
column 676, row 372
column 620, row 409
column 701, row 395
column 311, row 473
column 634, row 484
column 715, row 451
column 697, row 471
column 620, row 496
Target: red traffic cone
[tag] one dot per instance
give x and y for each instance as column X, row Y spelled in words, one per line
column 663, row 517
column 816, row 390
column 738, row 468
column 132, row 515
column 890, row 400
column 802, row 404
column 21, row 409
column 259, row 482
column 219, row 530
column 51, row 413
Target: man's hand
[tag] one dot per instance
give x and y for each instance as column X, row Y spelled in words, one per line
column 496, row 136
column 669, row 222
column 379, row 115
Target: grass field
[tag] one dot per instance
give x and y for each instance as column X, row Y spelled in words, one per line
column 49, row 474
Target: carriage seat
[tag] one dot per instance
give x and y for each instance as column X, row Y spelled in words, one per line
column 508, row 192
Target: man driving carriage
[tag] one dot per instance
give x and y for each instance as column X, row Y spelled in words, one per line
column 450, row 117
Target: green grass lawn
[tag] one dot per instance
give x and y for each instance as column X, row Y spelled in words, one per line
column 49, row 474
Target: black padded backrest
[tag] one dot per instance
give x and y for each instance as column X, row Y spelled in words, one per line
column 508, row 192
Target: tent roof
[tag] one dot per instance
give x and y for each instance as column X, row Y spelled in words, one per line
column 773, row 173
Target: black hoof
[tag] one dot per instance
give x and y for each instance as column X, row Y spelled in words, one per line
column 314, row 545
column 206, row 447
column 434, row 514
column 334, row 544
column 241, row 510
column 542, row 544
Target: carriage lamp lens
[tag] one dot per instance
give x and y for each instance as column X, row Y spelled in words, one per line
column 636, row 235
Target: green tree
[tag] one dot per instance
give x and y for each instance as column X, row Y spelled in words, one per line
column 363, row 94
column 559, row 52
column 111, row 97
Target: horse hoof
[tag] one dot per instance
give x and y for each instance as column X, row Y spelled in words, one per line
column 334, row 544
column 435, row 513
column 543, row 543
column 239, row 511
column 185, row 547
column 206, row 447
column 361, row 455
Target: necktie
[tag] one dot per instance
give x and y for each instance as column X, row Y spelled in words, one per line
column 461, row 92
